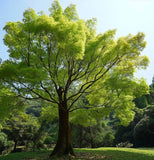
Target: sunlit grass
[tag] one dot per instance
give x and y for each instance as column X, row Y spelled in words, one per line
column 122, row 153
column 88, row 153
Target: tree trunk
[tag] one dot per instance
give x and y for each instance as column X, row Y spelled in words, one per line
column 15, row 146
column 81, row 136
column 91, row 137
column 64, row 144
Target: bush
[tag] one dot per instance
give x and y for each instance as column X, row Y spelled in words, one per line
column 144, row 133
column 3, row 141
column 108, row 139
column 124, row 144
column 5, row 145
column 48, row 141
column 144, row 130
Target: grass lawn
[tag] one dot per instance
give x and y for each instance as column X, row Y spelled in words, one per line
column 90, row 154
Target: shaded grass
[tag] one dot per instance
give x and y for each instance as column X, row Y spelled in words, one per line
column 38, row 155
column 89, row 154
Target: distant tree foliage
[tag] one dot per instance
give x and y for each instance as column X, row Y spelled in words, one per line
column 144, row 129
column 23, row 130
column 140, row 132
column 9, row 103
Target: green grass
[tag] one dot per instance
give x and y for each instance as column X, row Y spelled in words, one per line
column 88, row 154
column 38, row 155
column 120, row 153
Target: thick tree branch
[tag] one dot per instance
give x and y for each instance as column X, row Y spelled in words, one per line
column 20, row 88
column 88, row 84
column 45, row 89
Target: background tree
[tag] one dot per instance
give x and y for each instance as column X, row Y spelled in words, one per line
column 5, row 145
column 144, row 129
column 150, row 97
column 58, row 58
column 141, row 102
column 141, row 126
column 99, row 135
column 152, row 84
column 22, row 129
column 34, row 108
column 9, row 105
column 126, row 133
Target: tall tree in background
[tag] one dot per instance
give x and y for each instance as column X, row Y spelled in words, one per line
column 58, row 58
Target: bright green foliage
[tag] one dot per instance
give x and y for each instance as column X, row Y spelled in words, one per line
column 3, row 141
column 49, row 113
column 84, row 117
column 71, row 13
column 5, row 145
column 58, row 58
column 8, row 103
column 118, row 94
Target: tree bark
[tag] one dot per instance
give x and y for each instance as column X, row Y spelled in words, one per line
column 15, row 146
column 64, row 143
column 91, row 137
column 81, row 136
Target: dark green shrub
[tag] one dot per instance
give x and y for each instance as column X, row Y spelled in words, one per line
column 5, row 145
column 49, row 141
column 108, row 140
column 144, row 129
column 3, row 141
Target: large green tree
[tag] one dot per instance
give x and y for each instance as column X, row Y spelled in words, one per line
column 58, row 58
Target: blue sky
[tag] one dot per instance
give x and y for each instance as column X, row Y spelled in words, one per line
column 127, row 16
